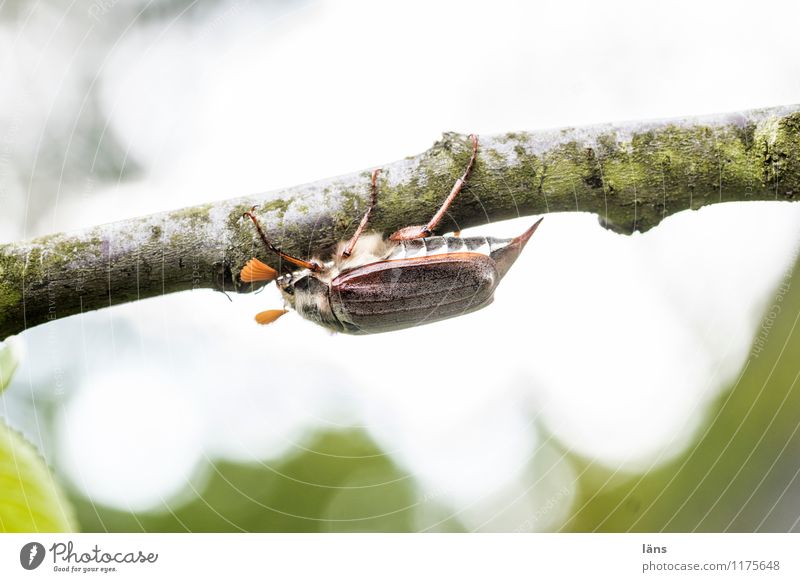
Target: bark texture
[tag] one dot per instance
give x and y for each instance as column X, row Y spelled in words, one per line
column 632, row 175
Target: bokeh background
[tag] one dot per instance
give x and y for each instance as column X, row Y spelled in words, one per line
column 617, row 383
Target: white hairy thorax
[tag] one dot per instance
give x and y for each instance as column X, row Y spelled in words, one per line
column 370, row 248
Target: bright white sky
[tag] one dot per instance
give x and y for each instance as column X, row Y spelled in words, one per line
column 613, row 344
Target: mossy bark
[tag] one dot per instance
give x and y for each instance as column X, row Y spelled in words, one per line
column 631, row 175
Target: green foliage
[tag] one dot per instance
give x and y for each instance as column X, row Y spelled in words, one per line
column 339, row 481
column 740, row 474
column 31, row 500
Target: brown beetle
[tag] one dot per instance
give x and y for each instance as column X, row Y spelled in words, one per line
column 374, row 285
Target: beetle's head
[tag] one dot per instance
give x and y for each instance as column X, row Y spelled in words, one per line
column 290, row 283
column 309, row 296
column 299, row 285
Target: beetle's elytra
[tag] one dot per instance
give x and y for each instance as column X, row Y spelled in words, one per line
column 372, row 285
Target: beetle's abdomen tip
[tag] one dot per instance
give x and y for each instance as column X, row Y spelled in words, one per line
column 506, row 256
column 523, row 239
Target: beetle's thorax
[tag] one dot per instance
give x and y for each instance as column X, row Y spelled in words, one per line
column 308, row 293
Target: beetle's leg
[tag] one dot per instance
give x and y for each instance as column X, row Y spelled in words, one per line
column 437, row 218
column 373, row 201
column 310, row 265
column 412, row 232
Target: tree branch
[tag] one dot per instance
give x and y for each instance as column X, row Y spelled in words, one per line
column 631, row 175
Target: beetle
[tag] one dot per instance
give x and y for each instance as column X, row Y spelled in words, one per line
column 374, row 285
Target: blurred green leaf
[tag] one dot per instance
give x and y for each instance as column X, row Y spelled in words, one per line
column 335, row 481
column 30, row 499
column 741, row 474
column 8, row 362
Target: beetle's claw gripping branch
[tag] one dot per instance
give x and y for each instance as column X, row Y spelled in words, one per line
column 310, row 265
column 348, row 250
column 412, row 232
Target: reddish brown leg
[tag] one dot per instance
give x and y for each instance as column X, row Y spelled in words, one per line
column 294, row 260
column 412, row 232
column 373, row 201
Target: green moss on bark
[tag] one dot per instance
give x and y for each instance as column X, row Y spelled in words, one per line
column 195, row 215
column 10, row 294
column 779, row 143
